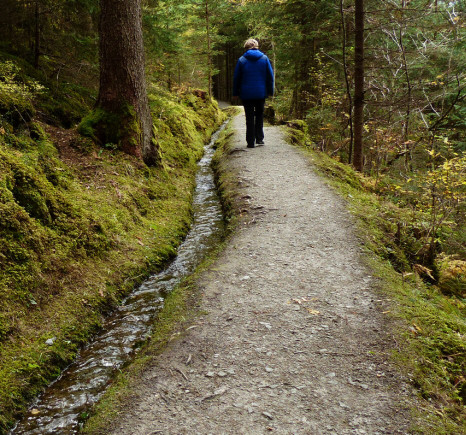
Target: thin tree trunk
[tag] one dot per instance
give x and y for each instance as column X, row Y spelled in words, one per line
column 358, row 84
column 122, row 93
column 37, row 34
column 348, row 87
column 209, row 54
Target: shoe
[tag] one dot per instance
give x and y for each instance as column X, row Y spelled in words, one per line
column 260, row 142
column 250, row 146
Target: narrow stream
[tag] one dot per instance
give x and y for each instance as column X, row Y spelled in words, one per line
column 59, row 409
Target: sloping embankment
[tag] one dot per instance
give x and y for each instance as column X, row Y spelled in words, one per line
column 79, row 227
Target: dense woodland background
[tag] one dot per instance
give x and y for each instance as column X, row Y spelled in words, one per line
column 413, row 106
column 414, row 121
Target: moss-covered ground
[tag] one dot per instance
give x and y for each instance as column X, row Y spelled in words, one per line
column 80, row 225
column 430, row 325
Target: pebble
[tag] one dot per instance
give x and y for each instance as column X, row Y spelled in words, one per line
column 267, row 325
column 210, row 374
column 50, row 341
column 269, row 369
column 268, row 415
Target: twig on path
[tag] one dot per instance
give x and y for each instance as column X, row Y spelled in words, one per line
column 216, row 393
column 182, row 374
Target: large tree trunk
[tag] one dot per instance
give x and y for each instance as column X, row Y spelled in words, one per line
column 358, row 84
column 125, row 117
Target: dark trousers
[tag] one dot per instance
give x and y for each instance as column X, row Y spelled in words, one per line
column 254, row 111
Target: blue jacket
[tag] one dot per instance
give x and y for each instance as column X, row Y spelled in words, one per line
column 253, row 78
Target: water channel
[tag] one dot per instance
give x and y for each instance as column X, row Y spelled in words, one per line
column 60, row 408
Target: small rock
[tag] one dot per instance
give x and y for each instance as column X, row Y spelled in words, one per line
column 267, row 325
column 50, row 341
column 266, row 414
column 269, row 369
column 210, row 374
column 222, row 374
column 323, row 350
column 220, row 390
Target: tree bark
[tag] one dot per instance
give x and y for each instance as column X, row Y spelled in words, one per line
column 209, row 47
column 126, row 118
column 358, row 84
column 36, row 34
column 347, row 81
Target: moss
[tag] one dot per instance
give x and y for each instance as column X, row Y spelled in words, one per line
column 226, row 179
column 87, row 125
column 65, row 104
column 452, row 279
column 78, row 229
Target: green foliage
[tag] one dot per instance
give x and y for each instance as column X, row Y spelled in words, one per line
column 16, row 94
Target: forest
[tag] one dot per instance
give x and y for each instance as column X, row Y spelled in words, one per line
column 95, row 184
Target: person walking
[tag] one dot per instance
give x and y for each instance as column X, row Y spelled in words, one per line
column 253, row 83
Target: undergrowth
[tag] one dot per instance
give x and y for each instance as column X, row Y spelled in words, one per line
column 80, row 225
column 431, row 324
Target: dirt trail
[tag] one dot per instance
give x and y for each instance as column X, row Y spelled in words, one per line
column 293, row 341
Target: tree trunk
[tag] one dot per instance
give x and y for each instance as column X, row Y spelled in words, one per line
column 36, row 34
column 358, row 84
column 209, row 47
column 125, row 117
column 347, row 81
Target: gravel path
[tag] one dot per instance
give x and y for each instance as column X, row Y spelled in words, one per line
column 294, row 339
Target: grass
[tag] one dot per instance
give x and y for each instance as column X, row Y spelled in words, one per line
column 430, row 326
column 80, row 226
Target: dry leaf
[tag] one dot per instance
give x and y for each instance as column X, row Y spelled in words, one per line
column 313, row 312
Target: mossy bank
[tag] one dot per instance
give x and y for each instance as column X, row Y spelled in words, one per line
column 429, row 323
column 80, row 225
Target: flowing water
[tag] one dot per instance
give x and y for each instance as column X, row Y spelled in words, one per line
column 60, row 408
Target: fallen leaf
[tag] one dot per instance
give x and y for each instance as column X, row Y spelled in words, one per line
column 313, row 312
